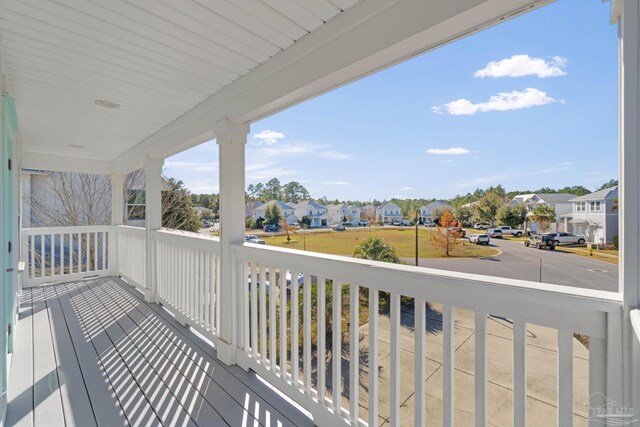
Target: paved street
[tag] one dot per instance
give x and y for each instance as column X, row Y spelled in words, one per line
column 520, row 262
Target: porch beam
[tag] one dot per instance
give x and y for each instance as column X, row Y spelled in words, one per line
column 231, row 138
column 153, row 221
column 371, row 36
column 48, row 162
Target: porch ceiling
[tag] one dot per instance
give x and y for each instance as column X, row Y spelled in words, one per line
column 177, row 67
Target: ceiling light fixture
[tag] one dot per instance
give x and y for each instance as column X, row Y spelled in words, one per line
column 106, row 104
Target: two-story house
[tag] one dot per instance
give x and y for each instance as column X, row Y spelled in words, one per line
column 341, row 213
column 426, row 211
column 287, row 211
column 389, row 213
column 560, row 202
column 595, row 215
column 315, row 211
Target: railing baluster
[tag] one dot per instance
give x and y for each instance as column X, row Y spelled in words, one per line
column 519, row 374
column 95, row 251
column 395, row 359
column 244, row 273
column 254, row 310
column 43, row 264
column 354, row 351
column 565, row 378
column 373, row 357
column 420, row 319
column 263, row 314
column 52, row 254
column 295, row 348
column 306, row 310
column 273, row 331
column 448, row 357
column 32, row 259
column 283, row 323
column 322, row 340
column 336, row 347
column 481, row 369
column 62, row 246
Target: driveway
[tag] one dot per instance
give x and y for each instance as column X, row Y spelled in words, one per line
column 520, row 262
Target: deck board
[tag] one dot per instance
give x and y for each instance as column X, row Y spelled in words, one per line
column 46, row 388
column 20, row 393
column 76, row 405
column 102, row 356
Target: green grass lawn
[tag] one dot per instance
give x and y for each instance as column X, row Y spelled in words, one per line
column 403, row 240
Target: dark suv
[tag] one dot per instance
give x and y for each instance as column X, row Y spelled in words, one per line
column 540, row 241
column 271, row 228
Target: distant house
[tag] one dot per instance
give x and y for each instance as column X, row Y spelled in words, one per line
column 388, row 213
column 315, row 211
column 250, row 207
column 560, row 202
column 596, row 215
column 426, row 211
column 337, row 214
column 288, row 212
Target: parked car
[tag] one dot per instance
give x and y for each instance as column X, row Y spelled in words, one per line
column 457, row 231
column 429, row 224
column 505, row 229
column 271, row 228
column 568, row 238
column 540, row 241
column 479, row 239
column 397, row 223
column 339, row 227
column 254, row 239
column 300, row 280
column 295, row 226
column 363, row 222
column 496, row 233
column 481, row 226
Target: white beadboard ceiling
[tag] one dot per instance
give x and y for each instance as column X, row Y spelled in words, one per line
column 157, row 59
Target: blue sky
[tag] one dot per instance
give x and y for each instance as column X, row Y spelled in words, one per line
column 529, row 103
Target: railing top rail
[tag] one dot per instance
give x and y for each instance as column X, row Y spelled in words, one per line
column 60, row 230
column 194, row 240
column 542, row 303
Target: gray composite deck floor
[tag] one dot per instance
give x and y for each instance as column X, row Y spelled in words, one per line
column 94, row 353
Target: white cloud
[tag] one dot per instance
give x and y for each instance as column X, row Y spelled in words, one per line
column 406, row 189
column 524, row 65
column 503, row 101
column 268, row 137
column 336, row 182
column 502, row 177
column 453, row 151
column 301, row 149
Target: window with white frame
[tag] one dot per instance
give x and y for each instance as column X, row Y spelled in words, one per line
column 580, row 207
column 594, row 206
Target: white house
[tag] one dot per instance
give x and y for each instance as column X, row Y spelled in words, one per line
column 250, row 207
column 426, row 211
column 315, row 211
column 560, row 202
column 288, row 212
column 337, row 214
column 388, row 213
column 595, row 215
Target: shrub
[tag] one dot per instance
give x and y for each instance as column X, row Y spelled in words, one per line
column 615, row 241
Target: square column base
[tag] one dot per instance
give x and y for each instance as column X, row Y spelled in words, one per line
column 226, row 353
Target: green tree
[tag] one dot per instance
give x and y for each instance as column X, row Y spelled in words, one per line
column 544, row 215
column 513, row 216
column 464, row 215
column 611, row 183
column 272, row 215
column 177, row 208
column 305, row 222
column 376, row 249
column 272, row 190
column 488, row 205
column 294, row 192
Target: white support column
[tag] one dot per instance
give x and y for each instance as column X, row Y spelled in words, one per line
column 629, row 189
column 231, row 139
column 117, row 218
column 153, row 220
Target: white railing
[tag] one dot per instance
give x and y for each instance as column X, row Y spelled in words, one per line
column 131, row 254
column 316, row 320
column 188, row 272
column 65, row 253
column 635, row 354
